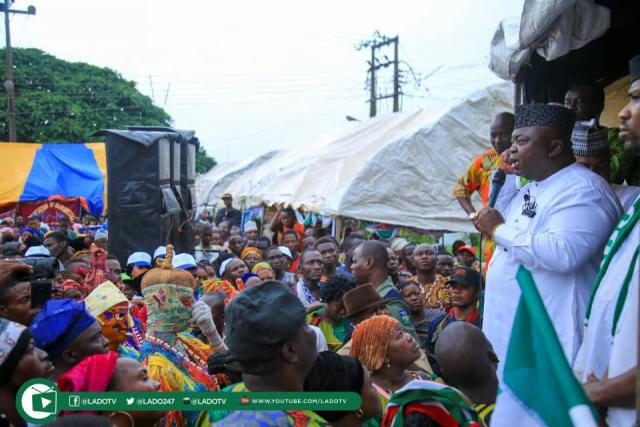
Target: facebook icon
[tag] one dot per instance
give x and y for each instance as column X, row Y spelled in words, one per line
column 74, row 401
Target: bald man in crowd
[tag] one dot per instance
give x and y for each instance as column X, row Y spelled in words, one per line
column 467, row 362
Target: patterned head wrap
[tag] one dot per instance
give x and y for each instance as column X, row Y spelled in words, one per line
column 261, row 266
column 433, row 400
column 103, row 298
column 371, row 339
column 589, row 140
column 219, row 285
column 249, row 250
column 554, row 116
column 14, row 340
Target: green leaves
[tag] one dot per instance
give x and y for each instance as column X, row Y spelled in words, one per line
column 60, row 101
column 203, row 162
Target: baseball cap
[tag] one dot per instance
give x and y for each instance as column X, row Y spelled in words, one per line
column 466, row 276
column 140, row 259
column 37, row 251
column 286, row 252
column 226, row 196
column 468, row 249
column 250, row 226
column 160, row 252
column 184, row 262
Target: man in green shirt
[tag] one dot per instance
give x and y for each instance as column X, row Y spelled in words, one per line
column 369, row 265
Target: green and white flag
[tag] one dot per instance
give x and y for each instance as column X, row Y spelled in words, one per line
column 539, row 388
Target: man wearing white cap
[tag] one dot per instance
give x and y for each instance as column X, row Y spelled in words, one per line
column 278, row 260
column 184, row 262
column 159, row 254
column 138, row 263
column 251, row 230
column 100, row 239
column 37, row 251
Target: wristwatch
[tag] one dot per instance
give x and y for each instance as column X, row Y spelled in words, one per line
column 473, row 216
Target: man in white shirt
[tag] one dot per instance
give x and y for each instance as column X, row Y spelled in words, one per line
column 556, row 227
column 607, row 361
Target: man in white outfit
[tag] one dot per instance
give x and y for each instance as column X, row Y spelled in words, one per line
column 556, row 227
column 607, row 361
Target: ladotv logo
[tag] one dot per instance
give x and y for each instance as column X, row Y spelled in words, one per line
column 37, row 401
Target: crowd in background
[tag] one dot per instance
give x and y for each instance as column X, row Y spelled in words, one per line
column 287, row 307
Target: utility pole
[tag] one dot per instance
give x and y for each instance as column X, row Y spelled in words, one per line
column 8, row 83
column 372, row 83
column 396, row 77
column 379, row 41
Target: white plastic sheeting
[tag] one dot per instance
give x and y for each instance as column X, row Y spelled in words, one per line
column 212, row 185
column 396, row 169
column 206, row 181
column 551, row 28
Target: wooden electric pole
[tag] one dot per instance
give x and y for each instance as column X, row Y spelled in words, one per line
column 8, row 83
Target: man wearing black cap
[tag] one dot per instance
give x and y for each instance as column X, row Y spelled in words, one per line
column 607, row 360
column 267, row 335
column 228, row 213
column 464, row 287
column 556, row 227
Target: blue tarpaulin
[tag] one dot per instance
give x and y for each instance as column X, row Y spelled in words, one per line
column 68, row 170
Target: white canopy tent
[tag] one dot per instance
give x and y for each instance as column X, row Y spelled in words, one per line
column 396, row 169
column 206, row 181
column 212, row 185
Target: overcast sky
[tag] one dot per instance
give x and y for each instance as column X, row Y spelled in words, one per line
column 250, row 77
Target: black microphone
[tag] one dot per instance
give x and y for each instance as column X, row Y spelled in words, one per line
column 497, row 182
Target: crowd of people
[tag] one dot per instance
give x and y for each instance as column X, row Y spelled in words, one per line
column 414, row 329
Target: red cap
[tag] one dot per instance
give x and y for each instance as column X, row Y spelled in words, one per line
column 467, row 248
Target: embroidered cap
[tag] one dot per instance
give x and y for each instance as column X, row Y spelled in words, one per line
column 555, row 116
column 589, row 140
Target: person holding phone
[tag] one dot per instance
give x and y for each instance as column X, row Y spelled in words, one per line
column 15, row 292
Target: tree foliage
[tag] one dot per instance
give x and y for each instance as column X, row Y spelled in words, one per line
column 60, row 101
column 204, row 163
